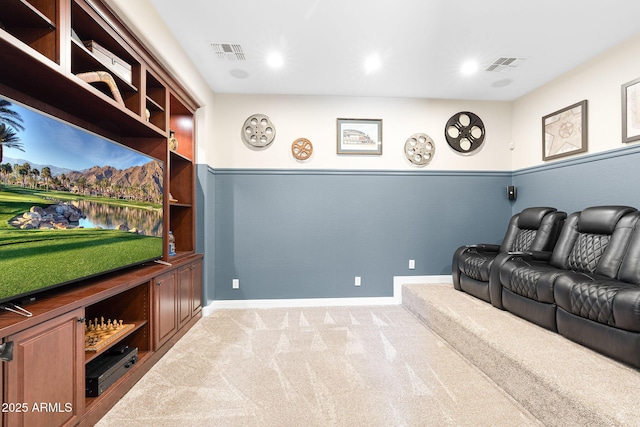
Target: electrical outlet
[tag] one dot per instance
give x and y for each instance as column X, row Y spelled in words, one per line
column 236, row 283
column 358, row 281
column 412, row 264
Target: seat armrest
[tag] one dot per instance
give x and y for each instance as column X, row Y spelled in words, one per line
column 473, row 249
column 485, row 247
column 543, row 256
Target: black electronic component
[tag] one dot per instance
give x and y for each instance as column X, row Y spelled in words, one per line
column 105, row 370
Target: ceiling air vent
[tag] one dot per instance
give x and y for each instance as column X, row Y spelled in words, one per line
column 228, row 51
column 504, row 64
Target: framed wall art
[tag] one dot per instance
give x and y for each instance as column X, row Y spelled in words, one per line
column 564, row 132
column 631, row 111
column 359, row 136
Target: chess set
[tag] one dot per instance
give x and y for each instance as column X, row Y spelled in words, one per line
column 100, row 334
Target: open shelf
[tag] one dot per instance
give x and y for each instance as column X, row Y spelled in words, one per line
column 156, row 101
column 33, row 23
column 91, row 402
column 181, row 179
column 183, row 228
column 155, row 92
column 132, row 306
column 90, row 355
column 21, row 13
column 181, row 122
column 95, row 49
column 84, row 60
column 87, row 24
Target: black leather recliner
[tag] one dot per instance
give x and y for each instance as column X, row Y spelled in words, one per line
column 533, row 229
column 590, row 248
column 604, row 313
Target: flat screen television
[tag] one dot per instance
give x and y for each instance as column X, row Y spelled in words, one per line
column 73, row 205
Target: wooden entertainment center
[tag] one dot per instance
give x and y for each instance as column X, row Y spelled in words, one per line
column 46, row 64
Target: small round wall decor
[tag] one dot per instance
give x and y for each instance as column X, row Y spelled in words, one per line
column 258, row 131
column 419, row 149
column 464, row 132
column 302, row 149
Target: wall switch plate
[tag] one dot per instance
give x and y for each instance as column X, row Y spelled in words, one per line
column 358, row 281
column 236, row 283
column 412, row 264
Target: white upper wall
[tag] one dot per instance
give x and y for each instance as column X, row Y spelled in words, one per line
column 314, row 118
column 599, row 82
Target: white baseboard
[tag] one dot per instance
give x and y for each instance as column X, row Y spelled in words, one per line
column 398, row 281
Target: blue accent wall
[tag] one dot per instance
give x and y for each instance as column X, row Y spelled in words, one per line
column 205, row 230
column 609, row 178
column 307, row 234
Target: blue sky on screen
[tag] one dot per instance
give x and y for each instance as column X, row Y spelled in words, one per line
column 47, row 141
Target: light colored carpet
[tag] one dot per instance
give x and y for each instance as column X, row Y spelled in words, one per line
column 560, row 382
column 335, row 366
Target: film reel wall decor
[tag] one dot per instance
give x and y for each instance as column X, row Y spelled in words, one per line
column 419, row 149
column 302, row 149
column 464, row 132
column 258, row 131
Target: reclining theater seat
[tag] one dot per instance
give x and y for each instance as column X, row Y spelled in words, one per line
column 533, row 229
column 602, row 313
column 591, row 246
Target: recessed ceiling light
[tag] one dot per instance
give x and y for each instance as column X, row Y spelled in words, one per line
column 372, row 63
column 469, row 68
column 275, row 60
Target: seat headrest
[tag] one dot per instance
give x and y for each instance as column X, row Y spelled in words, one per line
column 602, row 219
column 531, row 218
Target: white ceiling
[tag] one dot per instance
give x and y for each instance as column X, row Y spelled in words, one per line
column 421, row 43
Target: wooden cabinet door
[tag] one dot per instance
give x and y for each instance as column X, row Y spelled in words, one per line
column 165, row 308
column 189, row 292
column 45, row 379
column 196, row 287
column 184, row 295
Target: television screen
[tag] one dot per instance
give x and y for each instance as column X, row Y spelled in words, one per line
column 73, row 204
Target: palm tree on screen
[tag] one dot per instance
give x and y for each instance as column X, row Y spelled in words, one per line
column 10, row 124
column 9, row 139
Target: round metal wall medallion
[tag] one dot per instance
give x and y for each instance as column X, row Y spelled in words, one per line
column 419, row 149
column 258, row 131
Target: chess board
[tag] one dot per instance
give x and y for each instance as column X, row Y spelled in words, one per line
column 100, row 334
